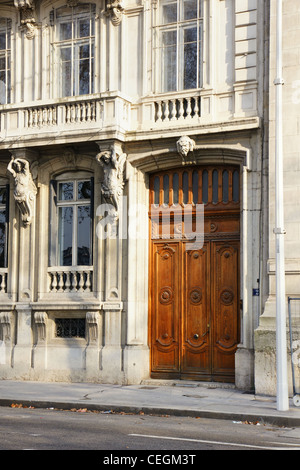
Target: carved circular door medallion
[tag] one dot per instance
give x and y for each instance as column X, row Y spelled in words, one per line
column 196, row 295
column 227, row 296
column 165, row 295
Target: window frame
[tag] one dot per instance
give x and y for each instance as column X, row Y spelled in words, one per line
column 56, row 204
column 6, row 55
column 74, row 43
column 178, row 27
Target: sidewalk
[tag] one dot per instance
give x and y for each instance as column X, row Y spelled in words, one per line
column 152, row 397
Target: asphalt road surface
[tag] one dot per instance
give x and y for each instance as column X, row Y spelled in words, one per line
column 148, row 439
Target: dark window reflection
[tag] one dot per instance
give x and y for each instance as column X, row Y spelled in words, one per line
column 65, row 191
column 83, row 236
column 65, row 235
column 2, row 238
column 84, row 190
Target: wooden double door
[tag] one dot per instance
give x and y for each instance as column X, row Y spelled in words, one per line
column 194, row 301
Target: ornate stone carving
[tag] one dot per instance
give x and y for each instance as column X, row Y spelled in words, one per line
column 26, row 9
column 184, row 146
column 25, row 189
column 115, row 10
column 113, row 182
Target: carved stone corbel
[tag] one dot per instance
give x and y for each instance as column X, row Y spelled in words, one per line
column 40, row 319
column 5, row 323
column 26, row 9
column 115, row 10
column 184, row 146
column 92, row 321
column 25, row 190
column 113, row 181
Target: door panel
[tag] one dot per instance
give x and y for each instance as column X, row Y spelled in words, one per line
column 225, row 262
column 166, row 307
column 196, row 312
column 194, row 295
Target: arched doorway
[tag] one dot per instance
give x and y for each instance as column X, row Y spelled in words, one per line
column 194, row 292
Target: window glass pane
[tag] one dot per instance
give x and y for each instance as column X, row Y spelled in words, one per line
column 169, row 61
column 83, row 236
column 65, row 192
column 66, row 70
column 84, row 74
column 166, row 189
column 169, row 13
column 175, row 188
column 156, row 190
column 84, row 190
column 215, row 186
column 195, row 187
column 190, row 58
column 84, row 28
column 205, row 187
column 65, row 31
column 2, row 195
column 2, row 238
column 235, row 186
column 225, row 186
column 2, row 41
column 189, row 9
column 185, row 187
column 65, row 235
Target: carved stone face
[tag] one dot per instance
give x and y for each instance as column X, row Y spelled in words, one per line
column 185, row 145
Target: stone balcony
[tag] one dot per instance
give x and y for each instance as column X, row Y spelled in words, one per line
column 41, row 122
column 113, row 115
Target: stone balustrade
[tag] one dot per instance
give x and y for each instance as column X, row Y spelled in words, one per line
column 3, row 280
column 70, row 279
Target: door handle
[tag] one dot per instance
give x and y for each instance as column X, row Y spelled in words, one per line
column 196, row 336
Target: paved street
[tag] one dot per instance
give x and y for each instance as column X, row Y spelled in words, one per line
column 50, row 429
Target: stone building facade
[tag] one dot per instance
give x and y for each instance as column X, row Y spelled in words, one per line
column 135, row 188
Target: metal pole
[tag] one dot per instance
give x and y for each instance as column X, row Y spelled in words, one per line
column 281, row 340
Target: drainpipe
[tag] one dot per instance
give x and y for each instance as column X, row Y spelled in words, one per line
column 281, row 340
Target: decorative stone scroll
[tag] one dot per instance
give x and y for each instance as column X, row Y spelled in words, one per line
column 185, row 145
column 115, row 9
column 26, row 9
column 113, row 182
column 25, row 189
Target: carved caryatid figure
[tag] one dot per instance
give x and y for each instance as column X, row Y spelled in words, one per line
column 25, row 189
column 113, row 183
